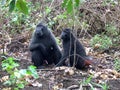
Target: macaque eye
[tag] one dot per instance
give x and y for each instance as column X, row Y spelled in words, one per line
column 65, row 35
column 42, row 28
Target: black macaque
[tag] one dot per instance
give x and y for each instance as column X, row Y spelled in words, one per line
column 79, row 55
column 43, row 47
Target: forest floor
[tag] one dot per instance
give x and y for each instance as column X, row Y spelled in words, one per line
column 52, row 78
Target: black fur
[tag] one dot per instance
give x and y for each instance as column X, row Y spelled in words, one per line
column 69, row 51
column 44, row 47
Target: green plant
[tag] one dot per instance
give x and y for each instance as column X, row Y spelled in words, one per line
column 101, row 42
column 16, row 21
column 84, row 26
column 88, row 80
column 117, row 64
column 70, row 5
column 17, row 78
column 111, row 30
column 112, row 2
column 104, row 86
column 92, row 85
column 20, row 5
column 58, row 40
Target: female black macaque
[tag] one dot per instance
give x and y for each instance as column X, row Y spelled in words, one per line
column 43, row 47
column 73, row 53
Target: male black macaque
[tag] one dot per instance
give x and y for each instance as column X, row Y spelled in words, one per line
column 75, row 54
column 43, row 47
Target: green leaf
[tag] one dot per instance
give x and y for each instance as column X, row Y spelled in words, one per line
column 20, row 85
column 77, row 2
column 33, row 71
column 70, row 6
column 17, row 74
column 23, row 71
column 31, row 67
column 8, row 82
column 12, row 5
column 88, row 80
column 16, row 88
column 22, row 6
column 48, row 10
column 64, row 3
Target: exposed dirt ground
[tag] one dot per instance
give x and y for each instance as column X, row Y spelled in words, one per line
column 52, row 78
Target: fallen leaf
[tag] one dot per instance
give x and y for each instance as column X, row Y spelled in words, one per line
column 73, row 87
column 117, row 54
column 61, row 68
column 104, row 76
column 69, row 71
column 58, row 86
column 97, row 74
column 87, row 49
column 97, row 46
column 37, row 84
column 4, row 78
column 8, row 88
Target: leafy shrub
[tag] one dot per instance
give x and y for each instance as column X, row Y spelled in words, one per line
column 17, row 78
column 101, row 42
column 111, row 30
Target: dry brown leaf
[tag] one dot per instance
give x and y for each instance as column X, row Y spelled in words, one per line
column 34, row 83
column 91, row 71
column 87, row 49
column 55, row 87
column 61, row 68
column 69, row 71
column 100, row 66
column 58, row 86
column 104, row 76
column 84, row 73
column 28, row 76
column 117, row 54
column 97, row 74
column 118, row 75
column 37, row 84
column 97, row 46
column 73, row 87
column 110, row 76
column 8, row 88
column 4, row 78
column 113, row 72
